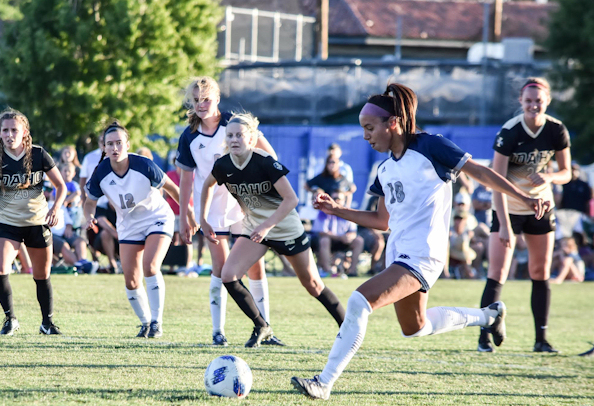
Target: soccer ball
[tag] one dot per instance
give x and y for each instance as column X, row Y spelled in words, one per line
column 228, row 376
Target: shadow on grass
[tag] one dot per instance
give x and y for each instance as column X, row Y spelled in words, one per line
column 113, row 394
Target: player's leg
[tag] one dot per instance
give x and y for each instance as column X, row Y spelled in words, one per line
column 540, row 255
column 155, row 250
column 243, row 256
column 131, row 259
column 217, row 293
column 500, row 258
column 8, row 252
column 258, row 284
column 305, row 268
column 39, row 246
column 387, row 287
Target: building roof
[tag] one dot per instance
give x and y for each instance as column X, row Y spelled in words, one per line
column 456, row 20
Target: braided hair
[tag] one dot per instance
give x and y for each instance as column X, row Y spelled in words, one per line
column 12, row 114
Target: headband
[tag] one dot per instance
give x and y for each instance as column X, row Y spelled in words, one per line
column 379, row 106
column 112, row 128
column 534, row 84
column 370, row 109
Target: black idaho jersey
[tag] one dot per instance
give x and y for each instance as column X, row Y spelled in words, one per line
column 252, row 184
column 529, row 153
column 24, row 207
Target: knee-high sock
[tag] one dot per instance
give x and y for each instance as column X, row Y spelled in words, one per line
column 6, row 296
column 541, row 302
column 491, row 294
column 332, row 304
column 443, row 319
column 45, row 297
column 218, row 304
column 139, row 303
column 155, row 290
column 245, row 301
column 259, row 291
column 349, row 338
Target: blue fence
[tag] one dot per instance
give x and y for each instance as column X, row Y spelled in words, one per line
column 302, row 149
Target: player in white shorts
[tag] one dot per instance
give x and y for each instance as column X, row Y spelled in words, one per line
column 131, row 183
column 415, row 195
column 200, row 145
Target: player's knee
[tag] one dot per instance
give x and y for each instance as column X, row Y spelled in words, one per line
column 358, row 304
column 416, row 330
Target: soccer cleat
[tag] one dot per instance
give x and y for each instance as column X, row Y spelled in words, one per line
column 259, row 334
column 312, row 388
column 219, row 339
column 273, row 341
column 497, row 328
column 484, row 345
column 544, row 346
column 155, row 330
column 10, row 325
column 49, row 329
column 144, row 331
column 587, row 353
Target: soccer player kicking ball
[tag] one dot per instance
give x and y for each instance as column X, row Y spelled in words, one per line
column 415, row 196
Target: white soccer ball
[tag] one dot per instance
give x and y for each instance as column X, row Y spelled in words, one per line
column 228, row 376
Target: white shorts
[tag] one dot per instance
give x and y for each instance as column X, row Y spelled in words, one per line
column 136, row 234
column 425, row 269
column 233, row 229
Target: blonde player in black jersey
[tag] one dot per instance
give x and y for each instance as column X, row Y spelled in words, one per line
column 24, row 215
column 523, row 148
column 259, row 184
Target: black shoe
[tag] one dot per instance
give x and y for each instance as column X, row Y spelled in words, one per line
column 544, row 346
column 587, row 353
column 10, row 325
column 219, row 339
column 49, row 329
column 144, row 331
column 273, row 341
column 155, row 330
column 259, row 334
column 311, row 388
column 484, row 344
column 498, row 327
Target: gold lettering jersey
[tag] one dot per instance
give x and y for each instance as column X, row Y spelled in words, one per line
column 529, row 153
column 252, row 184
column 24, row 207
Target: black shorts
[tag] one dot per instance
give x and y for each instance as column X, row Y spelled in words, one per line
column 31, row 236
column 528, row 223
column 289, row 247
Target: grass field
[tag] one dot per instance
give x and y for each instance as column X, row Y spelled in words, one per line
column 98, row 362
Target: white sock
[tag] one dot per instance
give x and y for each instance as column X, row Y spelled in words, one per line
column 349, row 338
column 218, row 304
column 155, row 290
column 139, row 303
column 259, row 291
column 443, row 319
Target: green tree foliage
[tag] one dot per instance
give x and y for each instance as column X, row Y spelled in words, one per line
column 571, row 44
column 9, row 10
column 70, row 65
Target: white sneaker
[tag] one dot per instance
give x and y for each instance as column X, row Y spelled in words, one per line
column 312, row 388
column 496, row 313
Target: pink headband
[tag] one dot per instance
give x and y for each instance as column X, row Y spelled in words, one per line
column 534, row 85
column 370, row 109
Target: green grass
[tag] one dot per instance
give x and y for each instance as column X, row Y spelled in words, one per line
column 97, row 362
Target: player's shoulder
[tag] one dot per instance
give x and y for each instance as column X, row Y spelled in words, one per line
column 140, row 162
column 103, row 169
column 261, row 154
column 513, row 123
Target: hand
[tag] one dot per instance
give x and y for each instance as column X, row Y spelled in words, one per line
column 92, row 225
column 325, row 203
column 539, row 206
column 538, row 179
column 192, row 223
column 208, row 232
column 504, row 236
column 68, row 232
column 51, row 217
column 259, row 233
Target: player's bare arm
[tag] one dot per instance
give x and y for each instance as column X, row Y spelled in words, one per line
column 370, row 219
column 290, row 200
column 205, row 201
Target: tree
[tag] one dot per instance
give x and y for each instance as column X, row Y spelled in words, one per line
column 571, row 44
column 69, row 65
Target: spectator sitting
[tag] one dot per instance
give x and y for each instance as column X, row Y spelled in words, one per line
column 461, row 255
column 374, row 241
column 567, row 262
column 345, row 169
column 68, row 155
column 104, row 238
column 71, row 246
column 481, row 203
column 73, row 202
column 330, row 180
column 573, row 204
column 462, row 203
column 334, row 234
column 145, row 152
